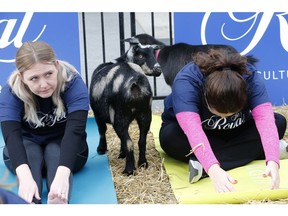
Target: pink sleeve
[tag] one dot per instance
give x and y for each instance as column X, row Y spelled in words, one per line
column 190, row 123
column 265, row 123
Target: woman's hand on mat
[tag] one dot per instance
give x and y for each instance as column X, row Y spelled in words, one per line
column 27, row 186
column 59, row 190
column 272, row 170
column 221, row 180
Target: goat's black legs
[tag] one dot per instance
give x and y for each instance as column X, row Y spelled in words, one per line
column 144, row 121
column 121, row 126
column 102, row 128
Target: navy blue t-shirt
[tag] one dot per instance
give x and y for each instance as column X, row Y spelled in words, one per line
column 75, row 97
column 187, row 96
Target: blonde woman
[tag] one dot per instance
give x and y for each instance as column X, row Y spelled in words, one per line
column 43, row 114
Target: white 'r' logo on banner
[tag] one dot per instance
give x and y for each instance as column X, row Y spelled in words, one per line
column 260, row 29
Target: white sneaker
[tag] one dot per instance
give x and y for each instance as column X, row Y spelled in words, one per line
column 283, row 149
column 195, row 171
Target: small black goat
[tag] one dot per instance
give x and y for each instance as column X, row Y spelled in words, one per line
column 119, row 93
column 173, row 58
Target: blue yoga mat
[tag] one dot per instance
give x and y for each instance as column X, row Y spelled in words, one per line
column 92, row 185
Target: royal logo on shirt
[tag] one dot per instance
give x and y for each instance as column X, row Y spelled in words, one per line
column 219, row 123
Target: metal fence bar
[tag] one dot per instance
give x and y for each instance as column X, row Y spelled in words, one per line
column 103, row 36
column 152, row 24
column 170, row 29
column 85, row 50
column 133, row 23
column 153, row 34
column 121, row 33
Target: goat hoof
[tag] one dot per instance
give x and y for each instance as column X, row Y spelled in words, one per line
column 101, row 151
column 122, row 155
column 144, row 164
column 128, row 172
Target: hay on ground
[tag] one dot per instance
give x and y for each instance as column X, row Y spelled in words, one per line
column 149, row 186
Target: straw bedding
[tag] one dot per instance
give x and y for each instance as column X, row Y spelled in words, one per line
column 151, row 185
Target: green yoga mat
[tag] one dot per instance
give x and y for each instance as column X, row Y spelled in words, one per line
column 251, row 185
column 92, row 185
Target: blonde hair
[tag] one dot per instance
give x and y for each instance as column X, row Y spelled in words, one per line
column 29, row 54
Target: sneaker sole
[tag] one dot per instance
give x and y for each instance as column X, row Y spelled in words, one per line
column 195, row 171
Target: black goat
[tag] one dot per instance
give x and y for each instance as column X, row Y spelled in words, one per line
column 173, row 58
column 119, row 93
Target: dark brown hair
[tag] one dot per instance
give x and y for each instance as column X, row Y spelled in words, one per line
column 225, row 89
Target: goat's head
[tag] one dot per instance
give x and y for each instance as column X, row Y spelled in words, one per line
column 144, row 56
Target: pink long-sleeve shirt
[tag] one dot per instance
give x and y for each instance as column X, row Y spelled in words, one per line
column 263, row 115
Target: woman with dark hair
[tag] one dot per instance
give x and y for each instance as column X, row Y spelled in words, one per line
column 43, row 114
column 219, row 117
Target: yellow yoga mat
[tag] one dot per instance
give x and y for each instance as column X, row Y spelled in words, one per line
column 251, row 185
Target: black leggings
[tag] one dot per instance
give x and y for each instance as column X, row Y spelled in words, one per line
column 232, row 148
column 44, row 160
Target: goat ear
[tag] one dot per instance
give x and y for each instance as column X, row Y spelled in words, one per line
column 132, row 40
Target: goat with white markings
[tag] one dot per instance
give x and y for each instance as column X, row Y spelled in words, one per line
column 173, row 58
column 119, row 93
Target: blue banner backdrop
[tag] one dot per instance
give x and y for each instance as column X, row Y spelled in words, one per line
column 60, row 30
column 261, row 34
